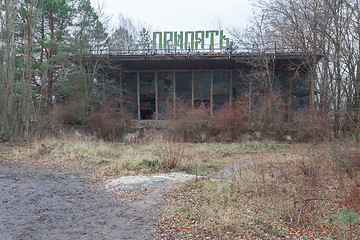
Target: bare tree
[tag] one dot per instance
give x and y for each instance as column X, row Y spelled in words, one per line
column 326, row 27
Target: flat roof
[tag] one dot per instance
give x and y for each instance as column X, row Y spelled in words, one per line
column 194, row 60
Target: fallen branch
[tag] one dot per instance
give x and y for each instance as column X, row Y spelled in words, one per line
column 306, row 201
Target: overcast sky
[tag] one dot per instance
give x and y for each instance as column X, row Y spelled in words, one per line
column 181, row 15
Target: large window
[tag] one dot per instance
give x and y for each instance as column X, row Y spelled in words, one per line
column 183, row 87
column 202, row 88
column 241, row 84
column 300, row 92
column 129, row 93
column 165, row 83
column 282, row 84
column 147, row 95
column 221, row 89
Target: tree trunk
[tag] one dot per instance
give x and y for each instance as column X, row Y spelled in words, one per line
column 8, row 70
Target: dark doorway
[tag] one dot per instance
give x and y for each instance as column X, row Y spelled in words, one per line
column 147, row 106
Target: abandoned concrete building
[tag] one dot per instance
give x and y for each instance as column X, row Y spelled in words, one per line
column 150, row 84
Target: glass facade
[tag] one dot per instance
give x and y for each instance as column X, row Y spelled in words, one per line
column 158, row 94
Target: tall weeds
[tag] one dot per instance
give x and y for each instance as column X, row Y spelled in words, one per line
column 229, row 123
column 191, row 125
column 172, row 155
column 199, row 125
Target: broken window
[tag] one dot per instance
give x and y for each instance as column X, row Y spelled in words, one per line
column 147, row 95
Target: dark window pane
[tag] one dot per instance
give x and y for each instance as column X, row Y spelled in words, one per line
column 202, row 85
column 221, row 82
column 258, row 81
column 147, row 82
column 129, row 85
column 299, row 102
column 282, row 84
column 183, row 82
column 300, row 86
column 220, row 100
column 112, row 84
column 240, row 85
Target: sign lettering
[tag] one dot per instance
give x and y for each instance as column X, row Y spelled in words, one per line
column 191, row 40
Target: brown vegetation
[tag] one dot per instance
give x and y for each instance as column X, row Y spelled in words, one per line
column 294, row 195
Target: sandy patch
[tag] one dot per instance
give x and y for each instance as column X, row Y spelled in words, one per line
column 140, row 179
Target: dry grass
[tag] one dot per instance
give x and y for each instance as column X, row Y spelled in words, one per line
column 116, row 158
column 269, row 190
column 297, row 196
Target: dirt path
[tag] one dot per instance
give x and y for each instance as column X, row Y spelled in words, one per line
column 52, row 204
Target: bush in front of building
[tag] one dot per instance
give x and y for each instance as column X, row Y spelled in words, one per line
column 197, row 124
column 191, row 124
column 71, row 113
column 109, row 122
column 306, row 127
column 229, row 123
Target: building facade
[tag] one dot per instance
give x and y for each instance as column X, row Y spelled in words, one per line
column 151, row 86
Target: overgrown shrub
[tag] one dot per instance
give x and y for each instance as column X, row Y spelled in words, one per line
column 191, row 125
column 268, row 114
column 229, row 123
column 346, row 155
column 109, row 122
column 172, row 155
column 307, row 128
column 72, row 112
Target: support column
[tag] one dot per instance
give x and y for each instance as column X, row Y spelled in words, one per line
column 121, row 93
column 230, row 88
column 156, row 96
column 174, row 95
column 138, row 94
column 290, row 97
column 192, row 89
column 212, row 91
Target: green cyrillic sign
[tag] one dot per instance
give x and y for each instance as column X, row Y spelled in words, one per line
column 190, row 40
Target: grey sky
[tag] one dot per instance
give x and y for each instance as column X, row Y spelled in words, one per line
column 182, row 15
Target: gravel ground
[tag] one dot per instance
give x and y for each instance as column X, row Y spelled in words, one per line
column 52, row 204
